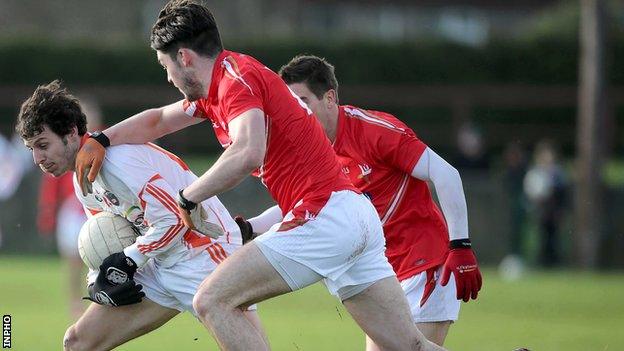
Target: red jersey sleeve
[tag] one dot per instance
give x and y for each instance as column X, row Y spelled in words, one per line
column 239, row 91
column 400, row 148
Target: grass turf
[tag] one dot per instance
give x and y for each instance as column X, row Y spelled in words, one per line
column 559, row 310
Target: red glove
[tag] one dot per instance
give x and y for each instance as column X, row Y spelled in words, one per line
column 461, row 261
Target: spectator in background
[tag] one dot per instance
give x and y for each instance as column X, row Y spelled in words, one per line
column 515, row 163
column 471, row 149
column 61, row 213
column 545, row 187
column 14, row 163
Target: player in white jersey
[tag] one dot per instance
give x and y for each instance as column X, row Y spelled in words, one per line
column 168, row 261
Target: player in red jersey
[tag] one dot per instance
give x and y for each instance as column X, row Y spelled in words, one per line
column 385, row 160
column 329, row 230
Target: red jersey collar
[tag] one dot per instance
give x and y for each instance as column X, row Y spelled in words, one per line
column 217, row 72
column 339, row 128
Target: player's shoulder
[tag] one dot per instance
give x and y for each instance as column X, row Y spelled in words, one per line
column 124, row 153
column 373, row 121
column 240, row 70
column 128, row 161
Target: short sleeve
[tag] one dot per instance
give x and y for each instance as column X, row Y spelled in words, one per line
column 239, row 92
column 193, row 109
column 400, row 148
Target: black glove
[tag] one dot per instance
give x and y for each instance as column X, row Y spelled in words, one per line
column 245, row 228
column 104, row 293
column 117, row 268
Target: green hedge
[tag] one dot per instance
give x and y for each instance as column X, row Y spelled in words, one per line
column 533, row 62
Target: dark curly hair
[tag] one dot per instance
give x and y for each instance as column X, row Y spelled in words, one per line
column 53, row 106
column 315, row 72
column 188, row 24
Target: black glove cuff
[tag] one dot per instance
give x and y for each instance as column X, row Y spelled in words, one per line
column 100, row 138
column 460, row 244
column 243, row 224
column 245, row 228
column 184, row 203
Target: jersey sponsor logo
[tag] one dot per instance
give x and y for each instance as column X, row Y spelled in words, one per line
column 112, row 198
column 136, row 216
column 365, row 170
column 309, row 215
column 346, row 170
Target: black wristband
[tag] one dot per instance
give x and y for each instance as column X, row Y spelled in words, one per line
column 460, row 244
column 184, row 202
column 100, row 138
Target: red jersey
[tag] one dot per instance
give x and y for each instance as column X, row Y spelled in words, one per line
column 299, row 165
column 378, row 152
column 54, row 193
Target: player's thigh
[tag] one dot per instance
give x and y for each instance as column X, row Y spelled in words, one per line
column 104, row 327
column 382, row 311
column 244, row 278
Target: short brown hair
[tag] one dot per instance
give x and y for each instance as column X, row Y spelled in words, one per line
column 186, row 23
column 53, row 106
column 315, row 72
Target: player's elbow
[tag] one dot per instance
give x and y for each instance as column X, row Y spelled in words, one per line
column 76, row 341
column 253, row 157
column 71, row 340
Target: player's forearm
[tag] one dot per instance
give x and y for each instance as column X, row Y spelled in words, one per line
column 141, row 128
column 156, row 242
column 448, row 186
column 266, row 219
column 236, row 162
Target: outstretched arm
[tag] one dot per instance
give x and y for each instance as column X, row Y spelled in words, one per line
column 139, row 129
column 150, row 124
column 244, row 155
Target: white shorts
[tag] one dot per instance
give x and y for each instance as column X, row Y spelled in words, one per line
column 175, row 286
column 442, row 305
column 69, row 221
column 343, row 243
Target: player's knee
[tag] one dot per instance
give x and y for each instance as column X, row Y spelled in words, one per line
column 204, row 302
column 75, row 341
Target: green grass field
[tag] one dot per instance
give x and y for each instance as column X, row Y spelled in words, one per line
column 562, row 310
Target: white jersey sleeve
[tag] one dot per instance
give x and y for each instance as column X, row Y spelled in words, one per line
column 448, row 186
column 161, row 215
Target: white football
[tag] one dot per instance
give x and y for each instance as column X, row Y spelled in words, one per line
column 104, row 234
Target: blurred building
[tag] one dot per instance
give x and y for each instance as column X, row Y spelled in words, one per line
column 471, row 22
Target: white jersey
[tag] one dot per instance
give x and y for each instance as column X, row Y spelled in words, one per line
column 140, row 183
